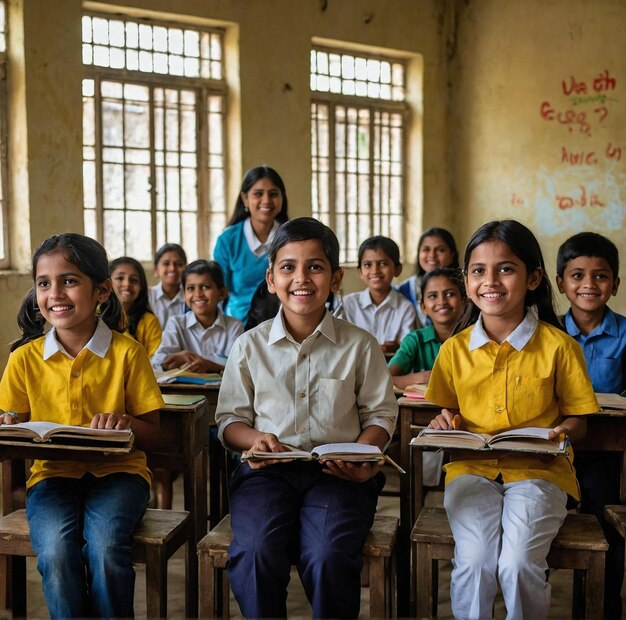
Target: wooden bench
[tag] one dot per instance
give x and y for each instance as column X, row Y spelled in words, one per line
column 157, row 537
column 579, row 545
column 378, row 555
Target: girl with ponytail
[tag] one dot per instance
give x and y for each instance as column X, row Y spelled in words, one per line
column 510, row 366
column 82, row 372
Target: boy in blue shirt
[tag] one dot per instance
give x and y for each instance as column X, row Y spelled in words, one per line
column 587, row 273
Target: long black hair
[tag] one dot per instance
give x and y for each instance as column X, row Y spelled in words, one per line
column 521, row 241
column 141, row 305
column 91, row 259
column 250, row 178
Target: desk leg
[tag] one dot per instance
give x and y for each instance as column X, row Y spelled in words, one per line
column 403, row 557
column 216, row 465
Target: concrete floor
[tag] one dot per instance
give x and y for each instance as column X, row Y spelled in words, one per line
column 298, row 606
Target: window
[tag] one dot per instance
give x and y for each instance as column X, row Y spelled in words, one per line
column 154, row 101
column 358, row 115
column 4, row 140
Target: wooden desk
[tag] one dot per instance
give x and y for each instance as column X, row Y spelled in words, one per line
column 184, row 447
column 411, row 412
column 218, row 490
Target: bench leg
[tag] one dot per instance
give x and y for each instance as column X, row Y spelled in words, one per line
column 156, row 582
column 377, row 587
column 423, row 580
column 595, row 586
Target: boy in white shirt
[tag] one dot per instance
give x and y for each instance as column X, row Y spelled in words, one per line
column 379, row 309
column 202, row 338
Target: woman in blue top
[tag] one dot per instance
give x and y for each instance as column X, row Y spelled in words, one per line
column 241, row 250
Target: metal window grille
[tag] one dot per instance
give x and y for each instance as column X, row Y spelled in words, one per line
column 153, row 145
column 357, row 137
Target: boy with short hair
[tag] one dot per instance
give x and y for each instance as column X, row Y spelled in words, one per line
column 380, row 309
column 587, row 273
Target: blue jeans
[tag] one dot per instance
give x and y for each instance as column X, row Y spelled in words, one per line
column 81, row 530
column 293, row 513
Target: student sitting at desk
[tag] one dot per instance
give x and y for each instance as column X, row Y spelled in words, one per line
column 587, row 272
column 131, row 286
column 166, row 298
column 509, row 368
column 441, row 299
column 82, row 372
column 380, row 309
column 201, row 339
column 302, row 379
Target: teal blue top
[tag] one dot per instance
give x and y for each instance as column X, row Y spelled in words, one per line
column 417, row 351
column 243, row 270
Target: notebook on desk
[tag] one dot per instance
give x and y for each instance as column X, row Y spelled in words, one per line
column 182, row 399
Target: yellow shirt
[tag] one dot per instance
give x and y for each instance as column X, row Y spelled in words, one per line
column 149, row 333
column 536, row 376
column 112, row 374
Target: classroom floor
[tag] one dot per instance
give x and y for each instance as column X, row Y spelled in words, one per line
column 298, row 606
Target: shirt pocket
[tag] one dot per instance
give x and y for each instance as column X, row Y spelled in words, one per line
column 531, row 397
column 336, row 398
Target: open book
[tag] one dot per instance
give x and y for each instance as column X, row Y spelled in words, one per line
column 179, row 375
column 416, row 391
column 51, row 432
column 353, row 452
column 530, row 439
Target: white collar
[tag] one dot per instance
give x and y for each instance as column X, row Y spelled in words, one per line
column 257, row 247
column 278, row 331
column 518, row 338
column 99, row 343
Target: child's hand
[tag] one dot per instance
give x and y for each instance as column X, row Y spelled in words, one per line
column 180, row 359
column 355, row 472
column 266, row 442
column 9, row 418
column 558, row 433
column 447, row 420
column 113, row 421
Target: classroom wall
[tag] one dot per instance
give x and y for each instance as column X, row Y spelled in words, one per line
column 268, row 44
column 492, row 92
column 538, row 119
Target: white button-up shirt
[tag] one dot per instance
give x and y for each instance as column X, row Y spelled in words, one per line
column 326, row 389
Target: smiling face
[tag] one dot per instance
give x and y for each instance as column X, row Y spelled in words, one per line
column 67, row 299
column 302, row 278
column 434, row 253
column 377, row 270
column 264, row 201
column 202, row 296
column 169, row 269
column 588, row 284
column 442, row 302
column 497, row 282
column 127, row 283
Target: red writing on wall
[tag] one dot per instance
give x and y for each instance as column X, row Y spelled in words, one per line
column 517, row 201
column 603, row 82
column 589, row 158
column 572, row 119
column 569, row 202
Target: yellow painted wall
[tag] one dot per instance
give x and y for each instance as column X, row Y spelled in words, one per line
column 523, row 145
column 479, row 72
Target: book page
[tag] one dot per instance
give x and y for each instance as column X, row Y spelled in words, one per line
column 351, row 448
column 430, row 437
column 290, row 454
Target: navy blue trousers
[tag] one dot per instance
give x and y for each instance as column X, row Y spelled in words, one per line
column 292, row 513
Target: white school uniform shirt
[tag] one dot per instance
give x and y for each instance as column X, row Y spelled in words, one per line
column 392, row 320
column 326, row 389
column 185, row 333
column 164, row 307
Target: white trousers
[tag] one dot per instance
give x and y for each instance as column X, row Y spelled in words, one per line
column 502, row 532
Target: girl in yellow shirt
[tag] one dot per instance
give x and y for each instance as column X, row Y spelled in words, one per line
column 509, row 366
column 131, row 286
column 82, row 372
